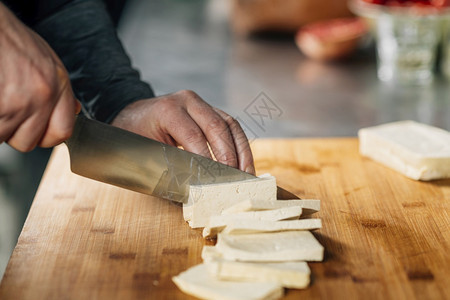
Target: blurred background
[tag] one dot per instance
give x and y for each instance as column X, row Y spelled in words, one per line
column 241, row 56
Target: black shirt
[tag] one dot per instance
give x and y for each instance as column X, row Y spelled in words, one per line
column 82, row 34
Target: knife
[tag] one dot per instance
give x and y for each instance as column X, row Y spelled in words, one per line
column 113, row 155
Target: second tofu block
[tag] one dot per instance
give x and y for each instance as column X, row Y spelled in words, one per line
column 209, row 200
column 418, row 151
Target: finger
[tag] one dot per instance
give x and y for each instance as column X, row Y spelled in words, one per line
column 167, row 139
column 9, row 125
column 77, row 107
column 22, row 127
column 244, row 152
column 13, row 111
column 216, row 131
column 62, row 120
column 30, row 132
column 188, row 135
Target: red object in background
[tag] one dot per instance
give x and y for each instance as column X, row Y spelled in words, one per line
column 380, row 2
column 332, row 39
column 435, row 3
column 441, row 3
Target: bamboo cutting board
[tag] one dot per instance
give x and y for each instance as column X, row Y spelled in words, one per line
column 386, row 236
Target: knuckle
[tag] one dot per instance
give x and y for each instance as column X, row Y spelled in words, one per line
column 243, row 143
column 234, row 124
column 48, row 84
column 14, row 103
column 62, row 134
column 228, row 158
column 237, row 130
column 43, row 90
column 14, row 113
column 56, row 135
column 188, row 94
column 230, row 120
column 194, row 136
column 167, row 106
column 217, row 125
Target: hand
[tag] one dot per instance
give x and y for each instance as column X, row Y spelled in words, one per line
column 184, row 119
column 37, row 106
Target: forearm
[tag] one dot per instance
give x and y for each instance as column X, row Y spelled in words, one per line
column 82, row 34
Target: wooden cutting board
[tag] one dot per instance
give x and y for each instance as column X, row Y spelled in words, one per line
column 385, row 236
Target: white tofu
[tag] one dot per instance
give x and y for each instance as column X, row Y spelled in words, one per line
column 416, row 150
column 288, row 274
column 217, row 223
column 309, row 206
column 197, row 282
column 209, row 200
column 270, row 247
column 187, row 212
column 258, row 226
column 210, row 253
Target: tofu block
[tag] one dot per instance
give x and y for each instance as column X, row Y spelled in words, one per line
column 258, row 226
column 309, row 206
column 208, row 200
column 187, row 212
column 217, row 223
column 270, row 247
column 416, row 150
column 288, row 274
column 197, row 282
column 210, row 253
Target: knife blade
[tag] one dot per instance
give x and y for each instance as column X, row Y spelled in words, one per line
column 112, row 155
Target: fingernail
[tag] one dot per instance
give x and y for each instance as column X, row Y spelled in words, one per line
column 250, row 170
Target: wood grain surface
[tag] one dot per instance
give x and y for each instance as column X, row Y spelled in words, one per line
column 386, row 236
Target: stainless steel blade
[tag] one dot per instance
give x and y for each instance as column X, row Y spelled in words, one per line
column 122, row 158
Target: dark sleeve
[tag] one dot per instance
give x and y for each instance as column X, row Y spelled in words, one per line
column 30, row 11
column 83, row 36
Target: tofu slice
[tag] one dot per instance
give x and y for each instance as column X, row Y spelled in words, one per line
column 217, row 223
column 187, row 212
column 197, row 282
column 208, row 200
column 416, row 150
column 309, row 206
column 270, row 247
column 258, row 226
column 288, row 274
column 210, row 253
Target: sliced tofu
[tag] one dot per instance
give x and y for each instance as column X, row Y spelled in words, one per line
column 258, row 226
column 187, row 212
column 309, row 206
column 210, row 253
column 288, row 274
column 208, row 200
column 217, row 223
column 416, row 150
column 197, row 282
column 270, row 247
